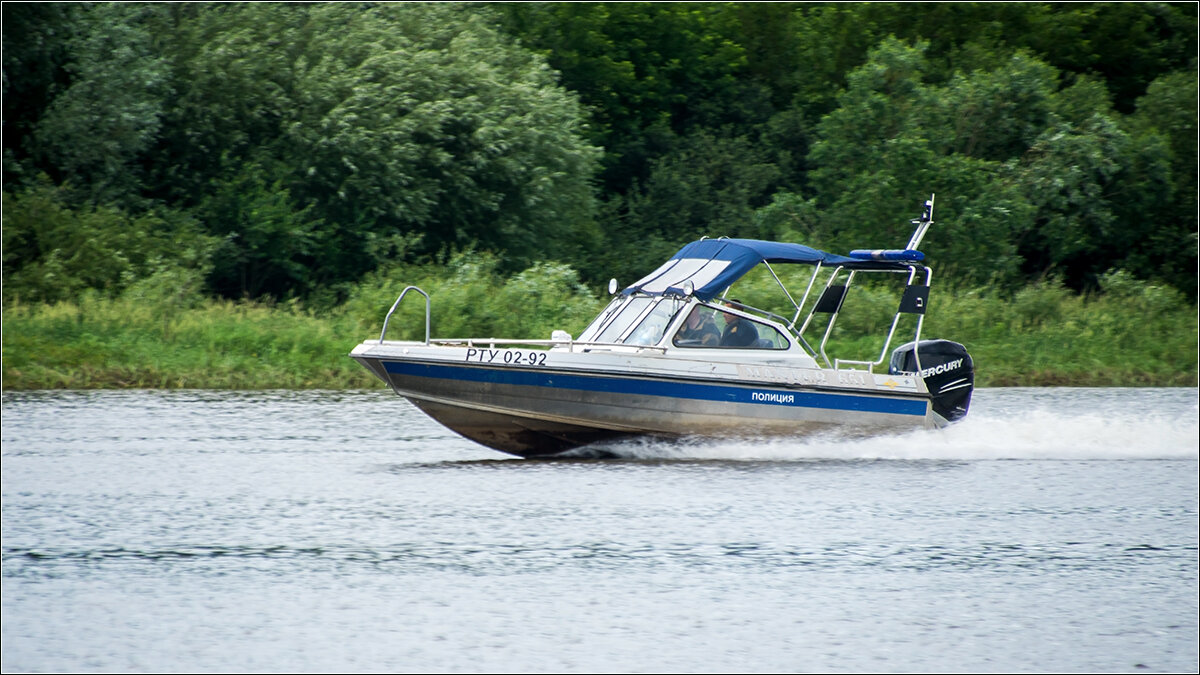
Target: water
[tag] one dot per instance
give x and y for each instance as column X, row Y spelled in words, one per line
column 1054, row 530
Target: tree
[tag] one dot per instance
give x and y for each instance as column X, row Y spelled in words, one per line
column 897, row 137
column 443, row 127
column 36, row 49
column 266, row 239
column 371, row 124
column 96, row 130
column 710, row 186
column 1165, row 210
column 648, row 72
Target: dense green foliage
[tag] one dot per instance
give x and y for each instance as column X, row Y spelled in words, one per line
column 289, row 150
column 1041, row 127
column 314, row 142
column 319, row 157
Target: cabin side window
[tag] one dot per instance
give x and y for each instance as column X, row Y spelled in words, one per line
column 710, row 328
column 699, row 329
column 769, row 337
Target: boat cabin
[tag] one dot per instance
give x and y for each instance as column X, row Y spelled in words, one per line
column 684, row 305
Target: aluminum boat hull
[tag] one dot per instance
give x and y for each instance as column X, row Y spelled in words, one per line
column 533, row 403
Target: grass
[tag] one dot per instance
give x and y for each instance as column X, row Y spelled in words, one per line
column 217, row 345
column 1134, row 334
column 1047, row 336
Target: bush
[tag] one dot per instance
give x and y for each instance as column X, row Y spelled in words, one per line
column 470, row 298
column 54, row 251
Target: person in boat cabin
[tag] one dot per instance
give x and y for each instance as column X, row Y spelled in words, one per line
column 699, row 329
column 738, row 331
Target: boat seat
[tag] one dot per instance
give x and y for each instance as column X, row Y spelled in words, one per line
column 764, row 343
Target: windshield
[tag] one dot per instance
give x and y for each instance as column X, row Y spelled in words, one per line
column 624, row 319
column 642, row 320
column 650, row 331
column 589, row 333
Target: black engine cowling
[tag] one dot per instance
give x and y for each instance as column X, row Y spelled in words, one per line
column 947, row 370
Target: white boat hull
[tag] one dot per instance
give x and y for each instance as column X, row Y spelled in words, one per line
column 542, row 402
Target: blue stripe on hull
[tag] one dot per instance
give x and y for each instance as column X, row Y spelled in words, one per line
column 649, row 387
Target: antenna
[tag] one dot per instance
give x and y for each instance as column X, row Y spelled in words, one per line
column 922, row 224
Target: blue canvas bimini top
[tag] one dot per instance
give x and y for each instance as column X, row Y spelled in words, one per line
column 713, row 264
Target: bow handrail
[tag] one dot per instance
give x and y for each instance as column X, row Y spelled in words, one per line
column 396, row 304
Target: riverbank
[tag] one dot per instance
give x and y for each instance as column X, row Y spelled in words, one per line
column 1138, row 335
column 115, row 344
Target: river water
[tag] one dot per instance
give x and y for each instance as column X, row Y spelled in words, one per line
column 1053, row 530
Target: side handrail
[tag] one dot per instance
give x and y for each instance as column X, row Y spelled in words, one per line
column 571, row 345
column 396, row 304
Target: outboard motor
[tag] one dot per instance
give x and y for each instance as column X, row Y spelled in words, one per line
column 947, row 370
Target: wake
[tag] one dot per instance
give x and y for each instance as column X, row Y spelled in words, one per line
column 1026, row 430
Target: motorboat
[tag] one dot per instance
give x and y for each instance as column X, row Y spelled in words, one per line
column 675, row 355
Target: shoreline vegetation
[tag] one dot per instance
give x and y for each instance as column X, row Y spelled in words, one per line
column 1133, row 333
column 234, row 197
